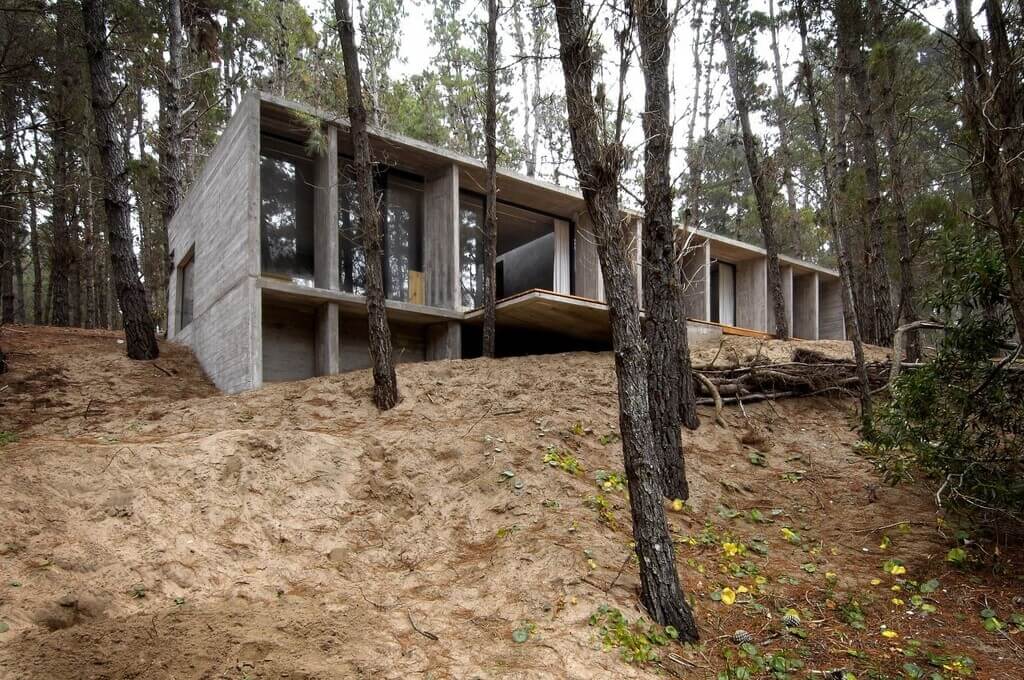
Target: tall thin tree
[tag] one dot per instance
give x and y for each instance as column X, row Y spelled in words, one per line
column 172, row 154
column 598, row 153
column 491, row 209
column 139, row 330
column 669, row 380
column 832, row 211
column 385, row 381
column 755, row 166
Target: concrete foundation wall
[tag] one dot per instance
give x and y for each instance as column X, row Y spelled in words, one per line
column 752, row 294
column 289, row 342
column 219, row 217
column 805, row 306
column 831, row 324
column 408, row 343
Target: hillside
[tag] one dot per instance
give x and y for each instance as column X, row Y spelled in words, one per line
column 152, row 528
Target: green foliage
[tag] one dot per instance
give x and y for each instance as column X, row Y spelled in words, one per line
column 564, row 460
column 7, row 438
column 637, row 641
column 747, row 662
column 959, row 418
column 610, row 481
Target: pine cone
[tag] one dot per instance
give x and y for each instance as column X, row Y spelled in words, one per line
column 742, row 637
column 790, row 620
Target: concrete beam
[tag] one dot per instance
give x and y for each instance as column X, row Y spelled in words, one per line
column 831, row 321
column 805, row 306
column 587, row 265
column 696, row 284
column 752, row 294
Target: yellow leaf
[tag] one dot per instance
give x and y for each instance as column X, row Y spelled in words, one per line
column 742, row 589
column 890, row 634
column 678, row 505
column 898, row 570
column 728, row 595
column 897, row 601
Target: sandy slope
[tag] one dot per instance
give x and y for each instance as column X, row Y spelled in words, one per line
column 151, row 528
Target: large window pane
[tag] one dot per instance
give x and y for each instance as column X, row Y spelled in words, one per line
column 351, row 256
column 471, row 254
column 286, row 217
column 403, row 215
column 526, row 251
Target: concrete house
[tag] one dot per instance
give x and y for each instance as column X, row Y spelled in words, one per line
column 269, row 271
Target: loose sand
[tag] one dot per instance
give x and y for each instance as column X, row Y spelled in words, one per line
column 152, row 528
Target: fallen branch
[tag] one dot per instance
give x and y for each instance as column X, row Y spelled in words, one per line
column 716, row 397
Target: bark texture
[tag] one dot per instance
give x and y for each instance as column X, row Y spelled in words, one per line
column 832, row 211
column 993, row 111
column 491, row 209
column 669, row 380
column 385, row 382
column 172, row 155
column 762, row 187
column 598, row 165
column 139, row 330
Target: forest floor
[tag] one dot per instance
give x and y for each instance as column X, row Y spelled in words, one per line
column 153, row 528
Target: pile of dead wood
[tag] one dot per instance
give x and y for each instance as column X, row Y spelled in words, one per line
column 808, row 373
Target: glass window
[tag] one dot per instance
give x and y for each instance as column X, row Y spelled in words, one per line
column 471, row 251
column 351, row 256
column 403, row 214
column 286, row 217
column 186, row 290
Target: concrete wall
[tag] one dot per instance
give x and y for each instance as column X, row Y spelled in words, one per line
column 408, row 342
column 531, row 265
column 752, row 294
column 289, row 342
column 831, row 324
column 220, row 217
column 805, row 306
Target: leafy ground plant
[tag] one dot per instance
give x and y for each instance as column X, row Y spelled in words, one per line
column 637, row 642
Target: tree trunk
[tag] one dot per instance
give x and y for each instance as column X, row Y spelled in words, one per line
column 89, row 247
column 832, row 202
column 898, row 183
column 524, row 77
column 491, row 217
column 998, row 135
column 9, row 218
column 762, row 193
column 172, row 159
column 139, row 331
column 877, row 301
column 598, row 166
column 781, row 103
column 62, row 252
column 540, row 18
column 33, row 232
column 668, row 370
column 385, row 382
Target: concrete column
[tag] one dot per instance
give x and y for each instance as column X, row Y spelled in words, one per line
column 752, row 294
column 444, row 341
column 831, row 322
column 441, row 246
column 325, row 214
column 560, row 276
column 328, row 345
